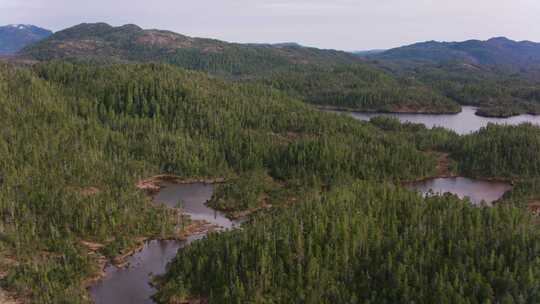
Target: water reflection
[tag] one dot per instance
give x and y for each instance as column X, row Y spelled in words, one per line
column 462, row 123
column 132, row 285
column 476, row 190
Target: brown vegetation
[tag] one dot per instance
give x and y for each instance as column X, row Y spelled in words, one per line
column 534, row 207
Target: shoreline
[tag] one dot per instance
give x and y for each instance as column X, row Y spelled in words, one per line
column 379, row 111
column 479, row 112
column 154, row 184
column 484, row 179
column 151, row 186
column 196, row 227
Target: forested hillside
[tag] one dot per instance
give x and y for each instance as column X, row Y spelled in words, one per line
column 357, row 87
column 499, row 75
column 501, row 152
column 324, row 77
column 377, row 243
column 498, row 91
column 495, row 51
column 75, row 139
column 366, row 243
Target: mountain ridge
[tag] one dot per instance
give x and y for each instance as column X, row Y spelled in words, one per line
column 14, row 37
column 132, row 43
column 322, row 77
column 494, row 51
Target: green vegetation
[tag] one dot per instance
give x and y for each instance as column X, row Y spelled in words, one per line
column 497, row 95
column 499, row 91
column 524, row 193
column 509, row 152
column 366, row 243
column 499, row 75
column 322, row 77
column 50, row 157
column 75, row 138
column 360, row 88
column 249, row 191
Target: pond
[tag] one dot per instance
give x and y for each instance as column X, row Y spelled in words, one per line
column 477, row 191
column 462, row 123
column 131, row 284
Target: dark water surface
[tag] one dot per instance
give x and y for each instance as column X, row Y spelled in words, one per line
column 462, row 123
column 476, row 190
column 131, row 285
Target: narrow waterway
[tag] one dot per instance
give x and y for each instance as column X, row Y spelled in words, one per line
column 478, row 191
column 464, row 122
column 131, row 285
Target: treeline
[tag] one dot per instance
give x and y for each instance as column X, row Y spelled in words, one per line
column 75, row 138
column 497, row 151
column 365, row 243
column 323, row 77
column 499, row 98
column 358, row 87
column 240, row 127
column 60, row 185
column 497, row 90
column 525, row 192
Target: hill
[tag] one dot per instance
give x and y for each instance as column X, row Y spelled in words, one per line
column 495, row 51
column 14, row 37
column 324, row 77
column 116, row 124
column 368, row 52
column 499, row 75
column 102, row 42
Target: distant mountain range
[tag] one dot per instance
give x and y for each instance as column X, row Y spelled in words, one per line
column 429, row 77
column 495, row 51
column 325, row 77
column 132, row 43
column 15, row 37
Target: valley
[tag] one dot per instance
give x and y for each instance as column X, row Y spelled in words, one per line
column 145, row 166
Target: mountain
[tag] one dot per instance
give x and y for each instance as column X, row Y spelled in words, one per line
column 100, row 41
column 368, row 52
column 14, row 37
column 495, row 51
column 323, row 77
column 499, row 75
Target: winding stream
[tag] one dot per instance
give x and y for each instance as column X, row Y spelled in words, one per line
column 131, row 285
column 464, row 122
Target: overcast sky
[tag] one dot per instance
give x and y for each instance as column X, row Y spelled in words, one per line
column 339, row 24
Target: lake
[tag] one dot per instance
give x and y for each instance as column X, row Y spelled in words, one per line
column 462, row 123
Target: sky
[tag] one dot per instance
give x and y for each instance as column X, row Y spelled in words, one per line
column 335, row 24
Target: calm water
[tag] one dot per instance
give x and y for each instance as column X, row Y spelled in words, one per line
column 462, row 123
column 131, row 285
column 476, row 190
